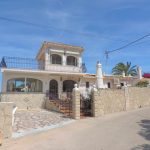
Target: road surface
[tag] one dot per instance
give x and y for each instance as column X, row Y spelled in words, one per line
column 118, row 131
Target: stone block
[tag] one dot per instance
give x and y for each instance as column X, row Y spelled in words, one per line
column 1, row 138
column 6, row 109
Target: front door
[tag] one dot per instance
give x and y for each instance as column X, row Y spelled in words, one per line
column 53, row 90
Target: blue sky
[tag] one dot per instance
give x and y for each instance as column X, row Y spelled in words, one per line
column 97, row 25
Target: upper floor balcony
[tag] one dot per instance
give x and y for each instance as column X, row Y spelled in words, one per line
column 54, row 57
column 55, row 65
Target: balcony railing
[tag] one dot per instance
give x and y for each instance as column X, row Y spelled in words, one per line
column 33, row 64
column 21, row 63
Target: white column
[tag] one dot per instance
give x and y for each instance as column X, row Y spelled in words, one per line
column 123, row 74
column 139, row 72
column 3, row 87
column 79, row 61
column 60, row 87
column 4, row 82
column 46, row 84
column 64, row 59
column 99, row 76
column 47, row 59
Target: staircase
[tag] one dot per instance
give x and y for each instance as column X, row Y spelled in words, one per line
column 62, row 106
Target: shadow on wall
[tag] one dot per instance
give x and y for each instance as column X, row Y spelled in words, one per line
column 145, row 132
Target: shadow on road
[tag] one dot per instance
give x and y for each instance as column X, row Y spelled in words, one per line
column 145, row 133
column 142, row 147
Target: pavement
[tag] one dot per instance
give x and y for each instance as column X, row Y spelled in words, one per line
column 33, row 121
column 118, row 131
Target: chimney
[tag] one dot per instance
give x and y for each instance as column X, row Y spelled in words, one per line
column 123, row 74
column 99, row 76
column 139, row 72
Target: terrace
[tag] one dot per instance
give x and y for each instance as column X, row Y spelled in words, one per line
column 21, row 63
column 33, row 64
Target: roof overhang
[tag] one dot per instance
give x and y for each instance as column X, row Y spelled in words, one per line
column 44, row 72
column 58, row 46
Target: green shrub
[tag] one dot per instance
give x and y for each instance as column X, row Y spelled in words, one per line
column 142, row 84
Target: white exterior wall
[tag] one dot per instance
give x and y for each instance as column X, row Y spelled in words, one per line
column 44, row 78
column 82, row 86
column 8, row 76
column 63, row 67
column 109, row 81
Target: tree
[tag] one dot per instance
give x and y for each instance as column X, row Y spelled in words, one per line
column 126, row 68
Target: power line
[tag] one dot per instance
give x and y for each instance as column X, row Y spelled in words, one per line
column 54, row 28
column 122, row 47
column 131, row 43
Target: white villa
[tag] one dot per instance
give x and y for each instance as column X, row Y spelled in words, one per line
column 58, row 67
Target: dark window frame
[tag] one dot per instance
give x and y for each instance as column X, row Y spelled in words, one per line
column 56, row 59
column 29, row 85
column 109, row 85
column 71, row 61
column 87, row 85
column 68, row 85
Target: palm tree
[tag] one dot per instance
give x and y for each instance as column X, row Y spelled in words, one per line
column 126, row 68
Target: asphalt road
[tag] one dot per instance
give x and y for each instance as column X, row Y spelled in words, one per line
column 119, row 131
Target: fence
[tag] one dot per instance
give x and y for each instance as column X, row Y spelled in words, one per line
column 21, row 63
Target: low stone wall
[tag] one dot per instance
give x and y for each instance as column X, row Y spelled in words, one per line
column 138, row 97
column 112, row 100
column 116, row 100
column 25, row 100
column 6, row 119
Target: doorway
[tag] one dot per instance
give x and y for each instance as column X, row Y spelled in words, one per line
column 53, row 90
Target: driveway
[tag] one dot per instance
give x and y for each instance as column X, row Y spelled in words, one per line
column 33, row 121
column 119, row 131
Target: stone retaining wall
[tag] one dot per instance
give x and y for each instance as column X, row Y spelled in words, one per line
column 6, row 119
column 25, row 100
column 138, row 97
column 116, row 100
column 112, row 100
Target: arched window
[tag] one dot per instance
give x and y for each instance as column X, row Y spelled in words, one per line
column 16, row 85
column 56, row 59
column 53, row 89
column 24, row 85
column 68, row 85
column 34, row 85
column 71, row 60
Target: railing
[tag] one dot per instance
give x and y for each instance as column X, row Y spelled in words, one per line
column 21, row 63
column 65, row 96
column 86, row 105
column 33, row 64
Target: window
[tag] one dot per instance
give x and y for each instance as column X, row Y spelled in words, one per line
column 24, row 85
column 87, row 85
column 33, row 85
column 16, row 85
column 71, row 60
column 68, row 85
column 56, row 59
column 108, row 84
column 122, row 84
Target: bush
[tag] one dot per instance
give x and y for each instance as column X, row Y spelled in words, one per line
column 142, row 84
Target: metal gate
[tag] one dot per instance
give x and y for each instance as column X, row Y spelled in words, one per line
column 85, row 106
